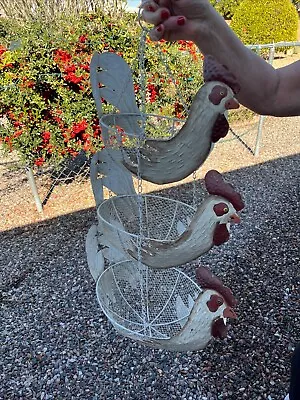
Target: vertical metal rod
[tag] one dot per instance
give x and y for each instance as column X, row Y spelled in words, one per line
column 34, row 190
column 262, row 117
column 259, row 135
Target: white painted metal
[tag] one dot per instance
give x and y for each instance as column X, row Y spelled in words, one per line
column 108, row 170
column 173, row 159
column 177, row 316
column 174, row 233
column 196, row 333
column 111, row 79
column 122, row 290
column 95, row 257
column 159, row 306
column 163, row 160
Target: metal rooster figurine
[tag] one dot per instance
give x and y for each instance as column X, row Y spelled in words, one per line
column 160, row 306
column 164, row 160
column 207, row 318
column 196, row 232
column 207, row 228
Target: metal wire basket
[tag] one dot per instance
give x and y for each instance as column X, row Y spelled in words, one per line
column 125, row 219
column 142, row 303
column 125, row 128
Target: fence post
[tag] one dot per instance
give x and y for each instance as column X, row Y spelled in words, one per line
column 259, row 135
column 263, row 117
column 34, row 190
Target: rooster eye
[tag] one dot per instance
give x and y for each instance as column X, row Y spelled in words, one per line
column 219, row 302
column 222, row 94
column 221, row 209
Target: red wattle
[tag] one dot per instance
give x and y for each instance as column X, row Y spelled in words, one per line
column 221, row 234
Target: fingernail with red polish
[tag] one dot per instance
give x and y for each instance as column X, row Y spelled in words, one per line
column 159, row 28
column 181, row 21
column 164, row 14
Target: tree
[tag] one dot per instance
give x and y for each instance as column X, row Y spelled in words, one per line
column 49, row 9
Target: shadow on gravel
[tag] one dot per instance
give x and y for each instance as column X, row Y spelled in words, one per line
column 56, row 341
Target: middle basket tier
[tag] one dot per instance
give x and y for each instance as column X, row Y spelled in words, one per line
column 158, row 231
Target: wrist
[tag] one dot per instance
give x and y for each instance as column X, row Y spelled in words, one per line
column 202, row 28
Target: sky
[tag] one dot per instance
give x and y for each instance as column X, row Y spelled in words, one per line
column 133, row 3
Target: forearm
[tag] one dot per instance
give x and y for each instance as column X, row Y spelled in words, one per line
column 258, row 80
column 264, row 89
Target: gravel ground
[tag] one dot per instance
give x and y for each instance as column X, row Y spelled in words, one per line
column 56, row 343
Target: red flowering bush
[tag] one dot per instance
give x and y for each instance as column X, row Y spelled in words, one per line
column 47, row 112
column 173, row 75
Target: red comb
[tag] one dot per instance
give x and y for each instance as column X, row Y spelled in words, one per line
column 209, row 281
column 216, row 185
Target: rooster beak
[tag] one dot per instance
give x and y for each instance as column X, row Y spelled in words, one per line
column 235, row 219
column 229, row 313
column 231, row 104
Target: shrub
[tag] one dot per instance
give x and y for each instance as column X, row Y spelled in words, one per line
column 226, row 8
column 49, row 10
column 47, row 112
column 258, row 22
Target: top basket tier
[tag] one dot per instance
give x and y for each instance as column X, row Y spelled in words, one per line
column 123, row 129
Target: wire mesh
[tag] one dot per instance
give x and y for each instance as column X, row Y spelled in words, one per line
column 169, row 298
column 139, row 128
column 163, row 219
column 76, row 169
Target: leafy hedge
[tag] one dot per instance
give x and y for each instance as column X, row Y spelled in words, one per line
column 47, row 112
column 258, row 22
column 226, row 8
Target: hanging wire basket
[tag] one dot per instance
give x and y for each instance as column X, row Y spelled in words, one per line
column 142, row 303
column 157, row 219
column 138, row 126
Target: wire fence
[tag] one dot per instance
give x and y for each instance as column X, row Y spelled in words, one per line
column 243, row 125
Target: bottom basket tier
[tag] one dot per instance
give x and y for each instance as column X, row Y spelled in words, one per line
column 146, row 304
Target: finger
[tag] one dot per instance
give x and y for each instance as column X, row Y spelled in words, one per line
column 175, row 23
column 156, row 17
column 173, row 28
column 157, row 33
column 149, row 5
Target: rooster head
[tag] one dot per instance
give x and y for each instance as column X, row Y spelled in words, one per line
column 221, row 96
column 215, row 184
column 217, row 304
column 225, row 212
column 221, row 301
column 220, row 310
column 227, row 202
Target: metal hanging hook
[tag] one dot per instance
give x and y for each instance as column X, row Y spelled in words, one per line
column 140, row 16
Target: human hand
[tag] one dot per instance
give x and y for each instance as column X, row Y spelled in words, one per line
column 176, row 19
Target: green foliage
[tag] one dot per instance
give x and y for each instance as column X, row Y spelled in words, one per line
column 47, row 111
column 226, row 8
column 258, row 22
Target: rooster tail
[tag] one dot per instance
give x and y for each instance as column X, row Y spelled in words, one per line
column 107, row 170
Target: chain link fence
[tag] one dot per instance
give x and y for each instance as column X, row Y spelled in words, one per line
column 244, row 124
